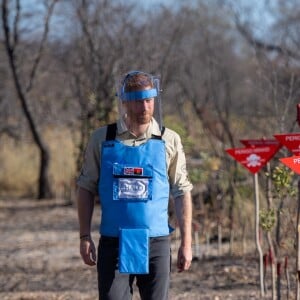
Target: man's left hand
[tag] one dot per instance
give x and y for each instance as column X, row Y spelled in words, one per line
column 184, row 258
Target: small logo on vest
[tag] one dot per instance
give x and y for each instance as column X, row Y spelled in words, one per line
column 133, row 171
column 106, row 145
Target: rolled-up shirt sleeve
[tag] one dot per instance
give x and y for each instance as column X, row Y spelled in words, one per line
column 177, row 171
column 89, row 175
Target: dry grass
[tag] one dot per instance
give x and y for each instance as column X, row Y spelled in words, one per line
column 19, row 163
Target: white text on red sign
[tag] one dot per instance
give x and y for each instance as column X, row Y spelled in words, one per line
column 252, row 150
column 296, row 160
column 292, row 138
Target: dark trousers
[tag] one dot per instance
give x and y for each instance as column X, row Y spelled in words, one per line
column 114, row 285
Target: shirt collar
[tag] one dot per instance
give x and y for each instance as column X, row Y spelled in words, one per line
column 153, row 128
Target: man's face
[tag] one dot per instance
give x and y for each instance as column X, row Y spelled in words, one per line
column 140, row 112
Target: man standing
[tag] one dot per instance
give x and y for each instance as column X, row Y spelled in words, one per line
column 133, row 165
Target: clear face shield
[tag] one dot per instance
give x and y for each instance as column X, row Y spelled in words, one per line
column 139, row 99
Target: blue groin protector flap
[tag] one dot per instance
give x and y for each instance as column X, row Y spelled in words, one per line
column 134, row 251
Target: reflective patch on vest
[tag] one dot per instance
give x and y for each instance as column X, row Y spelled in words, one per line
column 132, row 189
column 132, row 182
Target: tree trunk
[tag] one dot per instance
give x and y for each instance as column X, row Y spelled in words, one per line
column 44, row 183
column 44, row 189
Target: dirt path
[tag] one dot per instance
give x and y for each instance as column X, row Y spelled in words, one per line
column 39, row 259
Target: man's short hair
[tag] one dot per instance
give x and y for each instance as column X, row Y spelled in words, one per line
column 136, row 80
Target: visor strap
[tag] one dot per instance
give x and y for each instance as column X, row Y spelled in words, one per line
column 139, row 95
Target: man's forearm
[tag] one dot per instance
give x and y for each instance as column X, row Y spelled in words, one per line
column 85, row 207
column 183, row 209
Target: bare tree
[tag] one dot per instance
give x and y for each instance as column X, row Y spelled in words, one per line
column 12, row 40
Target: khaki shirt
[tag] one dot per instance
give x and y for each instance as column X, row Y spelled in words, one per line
column 175, row 157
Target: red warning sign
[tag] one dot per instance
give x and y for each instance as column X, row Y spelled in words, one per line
column 291, row 141
column 253, row 158
column 292, row 162
column 260, row 142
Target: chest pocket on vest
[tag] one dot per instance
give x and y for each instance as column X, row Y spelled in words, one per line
column 132, row 183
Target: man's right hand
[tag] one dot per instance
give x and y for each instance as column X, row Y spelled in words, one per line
column 88, row 251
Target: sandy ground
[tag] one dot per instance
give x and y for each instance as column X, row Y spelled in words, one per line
column 39, row 259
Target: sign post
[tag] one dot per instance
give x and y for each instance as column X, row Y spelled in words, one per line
column 294, row 164
column 292, row 142
column 253, row 159
column 273, row 264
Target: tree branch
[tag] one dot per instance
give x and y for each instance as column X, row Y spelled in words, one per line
column 41, row 47
column 258, row 44
column 83, row 21
column 16, row 24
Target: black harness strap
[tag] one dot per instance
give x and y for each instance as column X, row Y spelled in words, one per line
column 158, row 137
column 111, row 132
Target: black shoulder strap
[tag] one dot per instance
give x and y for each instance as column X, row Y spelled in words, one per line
column 111, row 132
column 158, row 137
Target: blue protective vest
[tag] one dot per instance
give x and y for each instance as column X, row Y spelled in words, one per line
column 134, row 188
